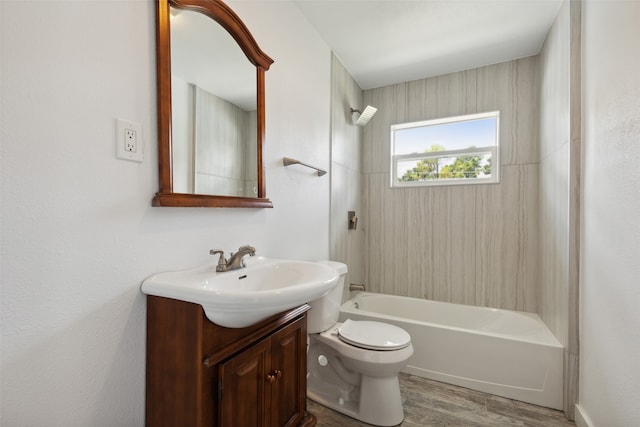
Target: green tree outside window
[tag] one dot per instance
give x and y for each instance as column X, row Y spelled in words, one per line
column 462, row 167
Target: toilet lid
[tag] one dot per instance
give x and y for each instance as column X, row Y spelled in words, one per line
column 373, row 335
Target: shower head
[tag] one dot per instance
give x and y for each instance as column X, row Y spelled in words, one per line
column 363, row 117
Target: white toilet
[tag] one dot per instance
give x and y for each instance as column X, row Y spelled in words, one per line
column 353, row 366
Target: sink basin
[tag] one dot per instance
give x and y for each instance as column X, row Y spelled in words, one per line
column 243, row 297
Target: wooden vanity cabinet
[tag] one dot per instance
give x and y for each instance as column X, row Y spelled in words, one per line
column 202, row 374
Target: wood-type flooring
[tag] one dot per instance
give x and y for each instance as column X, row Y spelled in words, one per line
column 430, row 403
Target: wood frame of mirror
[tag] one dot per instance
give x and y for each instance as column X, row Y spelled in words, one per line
column 227, row 18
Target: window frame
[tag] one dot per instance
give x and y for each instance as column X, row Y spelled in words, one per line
column 493, row 150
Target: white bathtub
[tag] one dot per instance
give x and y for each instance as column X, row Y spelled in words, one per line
column 507, row 353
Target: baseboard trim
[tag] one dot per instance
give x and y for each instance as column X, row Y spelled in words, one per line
column 582, row 420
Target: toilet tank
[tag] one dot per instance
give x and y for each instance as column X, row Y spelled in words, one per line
column 325, row 311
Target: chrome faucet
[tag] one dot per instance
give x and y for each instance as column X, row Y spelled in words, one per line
column 235, row 261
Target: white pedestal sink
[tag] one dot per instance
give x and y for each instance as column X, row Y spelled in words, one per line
column 243, row 297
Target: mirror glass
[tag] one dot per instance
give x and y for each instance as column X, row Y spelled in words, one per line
column 213, row 96
column 211, row 107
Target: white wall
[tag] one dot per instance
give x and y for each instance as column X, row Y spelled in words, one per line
column 610, row 291
column 78, row 231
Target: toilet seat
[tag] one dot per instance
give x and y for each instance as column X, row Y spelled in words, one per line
column 373, row 335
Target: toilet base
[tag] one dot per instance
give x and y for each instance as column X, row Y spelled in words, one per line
column 357, row 382
column 379, row 402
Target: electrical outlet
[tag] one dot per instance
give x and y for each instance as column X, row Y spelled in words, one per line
column 129, row 142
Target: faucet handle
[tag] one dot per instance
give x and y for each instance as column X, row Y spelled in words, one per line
column 222, row 261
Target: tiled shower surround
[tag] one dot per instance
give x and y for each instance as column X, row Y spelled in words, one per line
column 468, row 244
column 506, row 245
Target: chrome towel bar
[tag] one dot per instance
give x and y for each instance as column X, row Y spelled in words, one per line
column 287, row 161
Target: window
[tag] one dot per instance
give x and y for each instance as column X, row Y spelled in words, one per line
column 454, row 150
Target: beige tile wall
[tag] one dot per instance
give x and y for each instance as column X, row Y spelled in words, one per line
column 224, row 137
column 346, row 175
column 560, row 139
column 470, row 244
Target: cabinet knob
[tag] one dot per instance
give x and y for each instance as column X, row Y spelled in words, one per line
column 273, row 375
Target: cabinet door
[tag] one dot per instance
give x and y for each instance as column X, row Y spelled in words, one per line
column 244, row 389
column 289, row 363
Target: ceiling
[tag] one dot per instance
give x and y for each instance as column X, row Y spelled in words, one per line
column 382, row 42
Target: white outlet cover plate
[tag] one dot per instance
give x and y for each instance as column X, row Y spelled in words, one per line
column 121, row 153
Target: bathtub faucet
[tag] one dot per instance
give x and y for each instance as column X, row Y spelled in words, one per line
column 356, row 287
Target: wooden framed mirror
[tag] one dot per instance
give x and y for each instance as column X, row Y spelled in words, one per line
column 210, row 145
